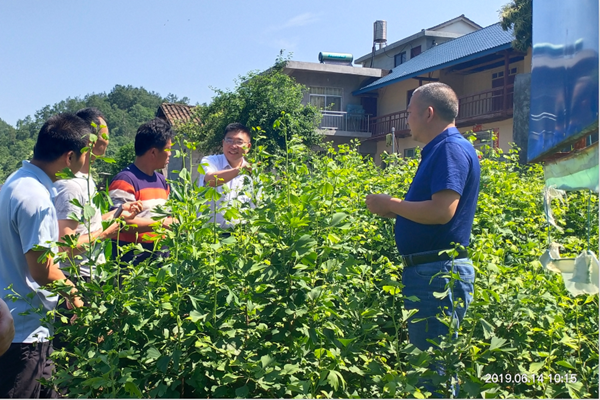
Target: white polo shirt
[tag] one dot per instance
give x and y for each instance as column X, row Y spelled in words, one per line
column 234, row 189
column 27, row 219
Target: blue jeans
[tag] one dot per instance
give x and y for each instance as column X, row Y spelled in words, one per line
column 418, row 282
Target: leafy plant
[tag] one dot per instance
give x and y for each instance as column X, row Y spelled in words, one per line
column 304, row 298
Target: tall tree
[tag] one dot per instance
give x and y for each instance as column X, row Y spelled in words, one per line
column 517, row 15
column 259, row 99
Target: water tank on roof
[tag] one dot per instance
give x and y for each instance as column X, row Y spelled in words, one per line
column 380, row 31
column 327, row 57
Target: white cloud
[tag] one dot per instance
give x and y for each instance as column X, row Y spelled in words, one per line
column 301, row 20
column 295, row 22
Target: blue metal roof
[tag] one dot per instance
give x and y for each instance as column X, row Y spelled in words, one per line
column 465, row 48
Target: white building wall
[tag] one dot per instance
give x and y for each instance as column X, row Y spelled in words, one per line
column 460, row 27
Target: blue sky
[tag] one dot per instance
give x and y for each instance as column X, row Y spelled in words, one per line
column 51, row 50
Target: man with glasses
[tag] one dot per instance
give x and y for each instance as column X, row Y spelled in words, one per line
column 223, row 171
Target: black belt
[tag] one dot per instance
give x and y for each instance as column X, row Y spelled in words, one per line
column 431, row 256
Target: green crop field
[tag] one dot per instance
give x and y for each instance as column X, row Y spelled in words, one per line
column 304, row 298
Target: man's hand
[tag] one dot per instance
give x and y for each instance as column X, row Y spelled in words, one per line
column 110, row 232
column 246, row 166
column 7, row 327
column 131, row 209
column 380, row 204
column 166, row 223
column 73, row 300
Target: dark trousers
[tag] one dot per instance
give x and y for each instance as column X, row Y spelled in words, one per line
column 130, row 257
column 22, row 366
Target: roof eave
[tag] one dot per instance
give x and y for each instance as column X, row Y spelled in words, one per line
column 434, row 68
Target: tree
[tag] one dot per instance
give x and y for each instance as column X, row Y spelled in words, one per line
column 517, row 15
column 125, row 108
column 258, row 101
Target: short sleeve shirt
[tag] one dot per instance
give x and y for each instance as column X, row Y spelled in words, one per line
column 77, row 189
column 448, row 162
column 27, row 219
column 234, row 189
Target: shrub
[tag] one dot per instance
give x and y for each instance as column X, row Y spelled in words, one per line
column 303, row 299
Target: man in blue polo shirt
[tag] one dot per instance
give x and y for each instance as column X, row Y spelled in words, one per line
column 436, row 213
column 28, row 224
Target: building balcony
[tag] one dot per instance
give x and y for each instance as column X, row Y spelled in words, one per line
column 382, row 125
column 487, row 106
column 343, row 124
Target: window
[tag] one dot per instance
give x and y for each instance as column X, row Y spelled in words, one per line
column 415, row 51
column 399, row 58
column 409, row 153
column 326, row 98
column 500, row 74
column 409, row 96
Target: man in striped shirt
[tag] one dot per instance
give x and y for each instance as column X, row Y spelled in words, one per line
column 140, row 181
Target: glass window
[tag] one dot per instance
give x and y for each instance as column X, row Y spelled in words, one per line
column 326, row 98
column 399, row 59
column 415, row 51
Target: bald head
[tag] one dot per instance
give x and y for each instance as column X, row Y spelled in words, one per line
column 440, row 97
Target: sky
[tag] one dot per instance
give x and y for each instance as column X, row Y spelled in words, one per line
column 52, row 50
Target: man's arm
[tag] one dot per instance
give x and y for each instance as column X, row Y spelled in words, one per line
column 7, row 327
column 68, row 227
column 437, row 211
column 145, row 225
column 219, row 178
column 47, row 271
column 121, row 192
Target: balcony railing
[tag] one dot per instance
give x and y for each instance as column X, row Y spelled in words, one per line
column 489, row 103
column 383, row 125
column 341, row 120
column 476, row 108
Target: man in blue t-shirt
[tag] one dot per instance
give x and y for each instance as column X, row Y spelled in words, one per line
column 29, row 226
column 436, row 214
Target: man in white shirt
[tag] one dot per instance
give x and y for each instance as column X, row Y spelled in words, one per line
column 29, row 227
column 224, row 171
column 78, row 188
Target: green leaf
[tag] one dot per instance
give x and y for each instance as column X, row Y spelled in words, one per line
column 337, row 218
column 153, row 353
column 195, row 316
column 565, row 364
column 497, row 343
column 242, row 392
column 488, row 329
column 346, row 342
column 163, row 363
column 315, row 293
column 133, row 390
column 266, row 360
column 392, row 289
column 575, row 390
column 334, row 379
column 88, row 212
column 536, row 366
column 289, row 369
column 304, row 245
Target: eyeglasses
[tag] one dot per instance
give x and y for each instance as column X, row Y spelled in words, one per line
column 236, row 142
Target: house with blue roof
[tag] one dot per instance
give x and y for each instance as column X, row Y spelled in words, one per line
column 480, row 66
